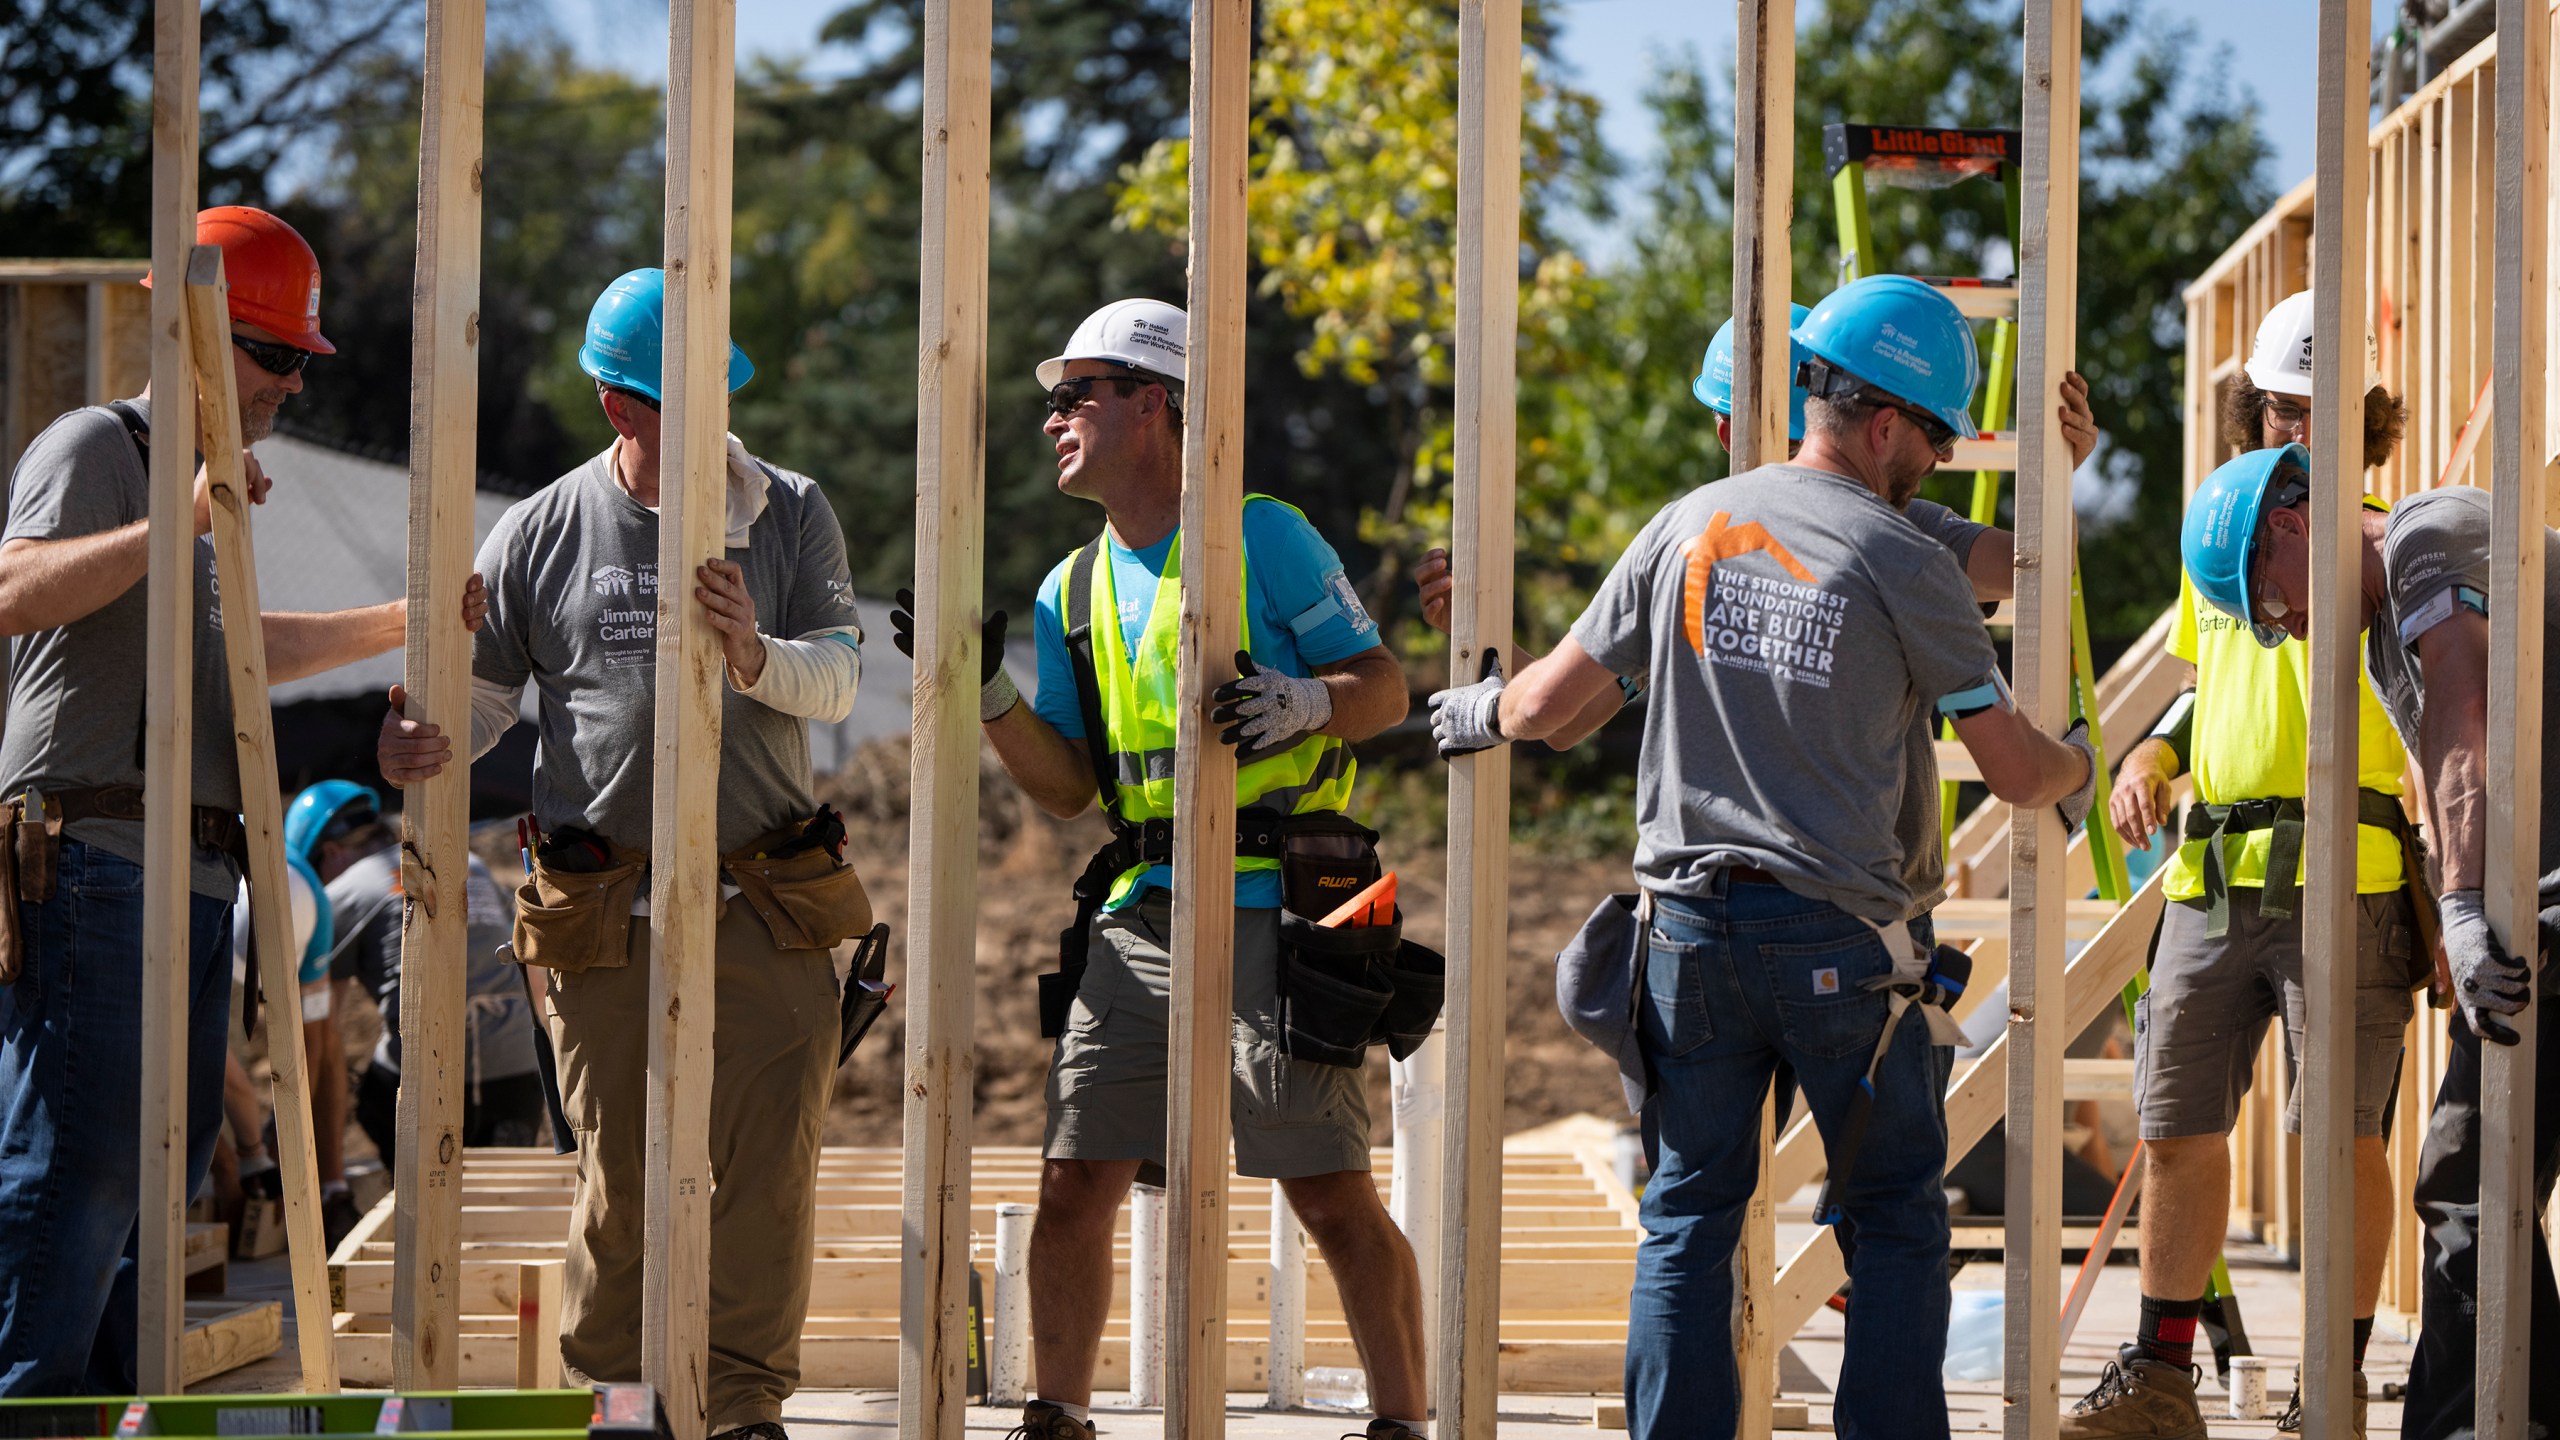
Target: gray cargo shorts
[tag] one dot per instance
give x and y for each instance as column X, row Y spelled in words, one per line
column 2196, row 1032
column 1106, row 1091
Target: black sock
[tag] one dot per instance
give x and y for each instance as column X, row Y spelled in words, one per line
column 2168, row 1330
column 2364, row 1337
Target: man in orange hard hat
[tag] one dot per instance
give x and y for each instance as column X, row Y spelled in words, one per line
column 72, row 559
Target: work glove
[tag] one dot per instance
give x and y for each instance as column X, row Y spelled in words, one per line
column 2075, row 806
column 996, row 691
column 1468, row 718
column 1266, row 712
column 2487, row 981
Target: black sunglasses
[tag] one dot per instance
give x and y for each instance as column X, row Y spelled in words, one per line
column 276, row 359
column 1067, row 395
column 1940, row 436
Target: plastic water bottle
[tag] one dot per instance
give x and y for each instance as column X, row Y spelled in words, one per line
column 1973, row 1336
column 1337, row 1387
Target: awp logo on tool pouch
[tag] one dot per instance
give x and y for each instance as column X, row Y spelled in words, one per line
column 1752, row 621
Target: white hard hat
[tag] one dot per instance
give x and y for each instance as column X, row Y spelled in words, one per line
column 2280, row 359
column 1144, row 335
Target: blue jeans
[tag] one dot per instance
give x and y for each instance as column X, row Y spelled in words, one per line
column 1752, row 977
column 71, row 1121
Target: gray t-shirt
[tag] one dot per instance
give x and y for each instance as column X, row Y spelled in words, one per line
column 573, row 608
column 76, row 692
column 2435, row 558
column 365, row 904
column 1795, row 628
column 1924, row 848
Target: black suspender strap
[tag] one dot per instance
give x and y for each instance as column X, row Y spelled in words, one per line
column 1097, row 742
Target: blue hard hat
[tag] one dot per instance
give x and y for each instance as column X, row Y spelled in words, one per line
column 1714, row 385
column 627, row 336
column 1903, row 338
column 2220, row 541
column 307, row 819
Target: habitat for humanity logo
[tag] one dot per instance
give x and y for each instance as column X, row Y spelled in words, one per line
column 1755, row 621
column 613, row 579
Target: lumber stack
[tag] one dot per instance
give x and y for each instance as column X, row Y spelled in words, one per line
column 1568, row 1254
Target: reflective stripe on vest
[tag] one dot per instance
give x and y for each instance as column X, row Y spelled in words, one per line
column 1139, row 711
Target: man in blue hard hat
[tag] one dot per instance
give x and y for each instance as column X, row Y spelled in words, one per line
column 573, row 610
column 1795, row 628
column 2423, row 587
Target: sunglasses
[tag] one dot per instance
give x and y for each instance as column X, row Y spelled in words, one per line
column 1940, row 436
column 1067, row 396
column 276, row 359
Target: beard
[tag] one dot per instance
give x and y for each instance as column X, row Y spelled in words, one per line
column 258, row 417
column 1903, row 483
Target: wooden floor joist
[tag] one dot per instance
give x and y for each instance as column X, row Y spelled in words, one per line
column 168, row 720
column 942, row 907
column 435, row 815
column 684, row 897
column 2520, row 500
column 1465, row 1373
column 2048, row 268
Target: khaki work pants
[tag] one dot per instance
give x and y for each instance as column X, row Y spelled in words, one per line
column 773, row 1059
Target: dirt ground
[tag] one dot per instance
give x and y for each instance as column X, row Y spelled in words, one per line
column 1027, row 861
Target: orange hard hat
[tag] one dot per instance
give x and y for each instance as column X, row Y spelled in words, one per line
column 274, row 277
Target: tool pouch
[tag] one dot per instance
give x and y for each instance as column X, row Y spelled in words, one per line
column 1325, row 859
column 13, row 948
column 1058, row 988
column 1336, row 983
column 573, row 912
column 808, row 897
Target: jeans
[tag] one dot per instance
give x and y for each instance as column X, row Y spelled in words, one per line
column 71, row 1121
column 2444, row 1371
column 1739, row 983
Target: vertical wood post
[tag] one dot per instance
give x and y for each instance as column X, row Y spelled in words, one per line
column 168, row 849
column 684, row 894
column 1764, row 150
column 942, row 833
column 2048, row 272
column 2519, row 499
column 1465, row 1370
column 1204, row 770
column 217, row 430
column 2340, row 239
column 435, row 815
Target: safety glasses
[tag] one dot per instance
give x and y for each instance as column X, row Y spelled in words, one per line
column 2288, row 417
column 276, row 359
column 1067, row 396
column 1940, row 436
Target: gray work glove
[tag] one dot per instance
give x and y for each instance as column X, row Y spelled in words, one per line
column 2075, row 806
column 2487, row 981
column 1266, row 712
column 1468, row 718
column 996, row 691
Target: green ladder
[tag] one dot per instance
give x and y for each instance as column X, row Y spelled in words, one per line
column 1933, row 157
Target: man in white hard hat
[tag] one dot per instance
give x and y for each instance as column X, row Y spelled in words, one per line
column 2228, row 959
column 1314, row 680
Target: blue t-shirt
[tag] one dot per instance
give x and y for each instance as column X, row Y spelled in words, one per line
column 1300, row 612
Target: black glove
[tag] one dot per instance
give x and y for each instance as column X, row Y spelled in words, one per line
column 902, row 633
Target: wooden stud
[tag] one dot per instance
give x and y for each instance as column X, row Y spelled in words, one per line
column 1488, row 312
column 2048, row 270
column 435, row 816
column 1763, row 263
column 684, row 898
column 2340, row 273
column 244, row 645
column 2519, row 498
column 168, row 847
column 538, row 1297
column 1200, row 1057
column 942, row 902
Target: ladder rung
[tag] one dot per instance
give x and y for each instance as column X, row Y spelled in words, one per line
column 1977, row 299
column 1996, row 450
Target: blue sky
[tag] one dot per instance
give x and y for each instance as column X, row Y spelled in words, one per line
column 1610, row 44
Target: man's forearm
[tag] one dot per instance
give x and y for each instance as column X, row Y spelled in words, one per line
column 2453, row 752
column 1052, row 769
column 2152, row 753
column 46, row 584
column 1368, row 695
column 300, row 644
column 1992, row 565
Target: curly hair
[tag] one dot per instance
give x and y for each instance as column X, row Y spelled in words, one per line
column 2243, row 404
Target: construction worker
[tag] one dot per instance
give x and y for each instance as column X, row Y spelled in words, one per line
column 2424, row 589
column 574, row 604
column 2228, row 958
column 72, row 563
column 1794, row 626
column 355, row 851
column 1315, row 679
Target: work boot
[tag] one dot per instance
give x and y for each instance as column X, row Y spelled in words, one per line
column 2290, row 1422
column 338, row 1216
column 1383, row 1428
column 2138, row 1397
column 1044, row 1421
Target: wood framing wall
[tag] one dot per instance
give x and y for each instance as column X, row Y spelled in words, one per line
column 72, row 333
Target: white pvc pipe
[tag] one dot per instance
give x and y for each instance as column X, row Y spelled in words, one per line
column 1009, row 1346
column 1146, row 1297
column 1419, row 1088
column 1288, row 1367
